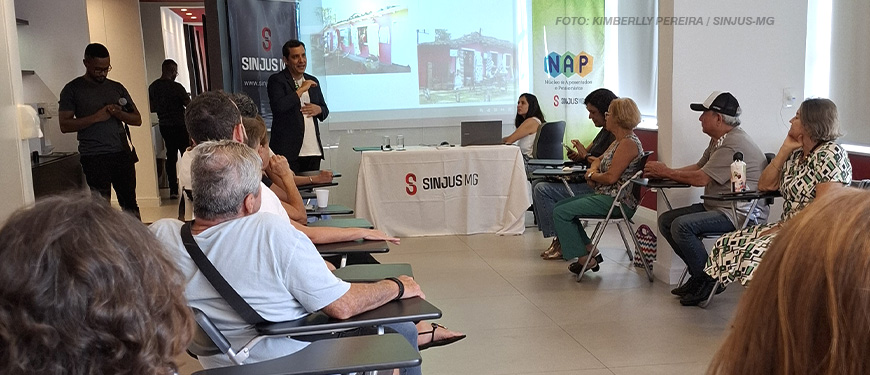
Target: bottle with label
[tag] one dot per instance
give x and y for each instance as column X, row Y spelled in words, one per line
column 738, row 173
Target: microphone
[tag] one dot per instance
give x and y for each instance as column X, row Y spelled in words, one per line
column 125, row 105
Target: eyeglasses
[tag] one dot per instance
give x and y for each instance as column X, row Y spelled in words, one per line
column 103, row 70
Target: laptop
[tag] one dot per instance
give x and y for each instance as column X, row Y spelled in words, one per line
column 478, row 133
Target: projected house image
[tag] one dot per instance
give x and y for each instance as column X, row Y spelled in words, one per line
column 471, row 68
column 366, row 43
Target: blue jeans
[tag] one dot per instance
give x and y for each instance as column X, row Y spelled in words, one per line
column 545, row 195
column 683, row 227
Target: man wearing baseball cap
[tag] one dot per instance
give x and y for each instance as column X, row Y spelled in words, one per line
column 683, row 227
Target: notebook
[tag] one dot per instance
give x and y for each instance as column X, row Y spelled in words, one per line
column 476, row 133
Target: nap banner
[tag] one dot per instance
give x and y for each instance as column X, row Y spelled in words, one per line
column 568, row 61
column 257, row 30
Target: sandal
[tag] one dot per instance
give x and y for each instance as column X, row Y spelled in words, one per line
column 442, row 342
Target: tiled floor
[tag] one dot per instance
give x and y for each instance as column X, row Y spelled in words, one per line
column 524, row 315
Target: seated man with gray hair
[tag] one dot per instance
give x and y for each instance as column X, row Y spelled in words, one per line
column 684, row 227
column 272, row 266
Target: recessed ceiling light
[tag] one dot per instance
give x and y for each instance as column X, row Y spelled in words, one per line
column 189, row 14
column 184, row 9
column 193, row 17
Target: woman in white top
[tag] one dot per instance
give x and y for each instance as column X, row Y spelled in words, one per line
column 528, row 122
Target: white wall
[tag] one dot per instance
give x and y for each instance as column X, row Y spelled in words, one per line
column 117, row 25
column 15, row 183
column 53, row 46
column 754, row 63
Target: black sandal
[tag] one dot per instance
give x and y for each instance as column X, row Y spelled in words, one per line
column 442, row 342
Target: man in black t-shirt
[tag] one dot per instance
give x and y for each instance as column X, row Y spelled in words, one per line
column 168, row 100
column 96, row 108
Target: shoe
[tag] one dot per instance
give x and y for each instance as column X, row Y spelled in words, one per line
column 576, row 267
column 173, row 195
column 555, row 254
column 553, row 246
column 686, row 288
column 700, row 293
column 433, row 343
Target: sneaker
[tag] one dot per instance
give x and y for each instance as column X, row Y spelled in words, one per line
column 687, row 287
column 173, row 195
column 700, row 294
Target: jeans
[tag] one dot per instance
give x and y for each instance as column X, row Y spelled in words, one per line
column 105, row 171
column 545, row 195
column 683, row 227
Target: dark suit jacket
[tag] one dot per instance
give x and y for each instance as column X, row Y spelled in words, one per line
column 288, row 125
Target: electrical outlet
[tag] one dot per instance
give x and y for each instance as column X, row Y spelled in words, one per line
column 788, row 97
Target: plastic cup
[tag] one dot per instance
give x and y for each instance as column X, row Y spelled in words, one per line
column 322, row 197
column 400, row 142
column 385, row 144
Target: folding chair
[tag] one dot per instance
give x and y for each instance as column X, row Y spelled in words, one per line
column 629, row 187
column 328, row 356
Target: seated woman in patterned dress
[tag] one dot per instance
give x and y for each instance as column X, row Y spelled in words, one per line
column 810, row 317
column 809, row 164
column 605, row 175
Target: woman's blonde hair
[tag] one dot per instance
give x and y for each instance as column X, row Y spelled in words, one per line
column 625, row 112
column 808, row 310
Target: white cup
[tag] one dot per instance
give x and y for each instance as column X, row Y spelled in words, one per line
column 322, row 197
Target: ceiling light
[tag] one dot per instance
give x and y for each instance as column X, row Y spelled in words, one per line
column 189, row 14
column 193, row 17
column 184, row 9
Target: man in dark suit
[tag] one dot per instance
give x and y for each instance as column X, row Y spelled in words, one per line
column 297, row 106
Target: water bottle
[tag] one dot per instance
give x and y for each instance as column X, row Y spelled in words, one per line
column 738, row 173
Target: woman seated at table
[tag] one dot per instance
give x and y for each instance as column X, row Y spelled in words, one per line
column 810, row 317
column 545, row 193
column 528, row 122
column 615, row 167
column 87, row 289
column 809, row 165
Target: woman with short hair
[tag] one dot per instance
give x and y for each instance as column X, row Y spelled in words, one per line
column 605, row 175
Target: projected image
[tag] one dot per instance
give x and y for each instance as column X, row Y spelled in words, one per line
column 470, row 68
column 362, row 41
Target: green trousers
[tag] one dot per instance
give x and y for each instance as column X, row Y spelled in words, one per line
column 572, row 236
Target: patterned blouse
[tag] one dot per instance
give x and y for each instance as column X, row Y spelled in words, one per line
column 633, row 167
column 828, row 162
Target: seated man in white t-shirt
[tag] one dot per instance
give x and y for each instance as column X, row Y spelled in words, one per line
column 273, row 267
column 212, row 116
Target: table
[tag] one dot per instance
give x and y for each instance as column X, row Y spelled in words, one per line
column 332, row 209
column 444, row 190
column 344, row 222
column 660, row 184
column 550, row 162
column 348, row 247
column 361, row 273
column 562, row 174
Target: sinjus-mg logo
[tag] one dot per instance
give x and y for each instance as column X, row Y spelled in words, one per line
column 410, row 182
column 568, row 64
column 267, row 39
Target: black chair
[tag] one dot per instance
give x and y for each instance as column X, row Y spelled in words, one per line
column 328, row 356
column 548, row 143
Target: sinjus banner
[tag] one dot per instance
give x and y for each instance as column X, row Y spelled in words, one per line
column 567, row 61
column 257, row 30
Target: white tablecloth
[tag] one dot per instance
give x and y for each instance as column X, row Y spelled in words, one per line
column 442, row 191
